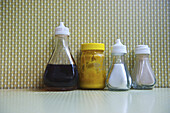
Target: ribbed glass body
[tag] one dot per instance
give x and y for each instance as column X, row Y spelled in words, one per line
column 142, row 75
column 118, row 77
column 92, row 75
column 61, row 72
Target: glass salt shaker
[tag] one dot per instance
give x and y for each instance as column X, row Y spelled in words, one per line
column 61, row 71
column 142, row 75
column 118, row 77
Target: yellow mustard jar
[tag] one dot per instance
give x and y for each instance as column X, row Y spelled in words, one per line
column 92, row 73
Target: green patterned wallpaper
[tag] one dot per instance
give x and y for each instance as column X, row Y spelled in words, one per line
column 27, row 32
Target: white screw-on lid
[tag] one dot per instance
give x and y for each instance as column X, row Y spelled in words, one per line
column 61, row 29
column 119, row 47
column 142, row 49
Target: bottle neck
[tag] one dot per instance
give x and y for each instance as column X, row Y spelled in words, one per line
column 142, row 57
column 61, row 41
column 118, row 58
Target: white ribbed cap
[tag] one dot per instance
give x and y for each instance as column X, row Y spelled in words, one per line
column 142, row 49
column 61, row 29
column 119, row 47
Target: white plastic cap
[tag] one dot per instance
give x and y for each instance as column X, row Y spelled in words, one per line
column 61, row 29
column 142, row 49
column 119, row 47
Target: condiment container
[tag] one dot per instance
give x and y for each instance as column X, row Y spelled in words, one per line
column 118, row 77
column 61, row 71
column 92, row 74
column 142, row 75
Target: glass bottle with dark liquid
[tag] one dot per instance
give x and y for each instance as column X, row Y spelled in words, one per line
column 61, row 71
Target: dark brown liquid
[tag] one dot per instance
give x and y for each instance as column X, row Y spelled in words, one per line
column 60, row 77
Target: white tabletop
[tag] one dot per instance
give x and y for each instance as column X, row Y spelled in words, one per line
column 85, row 101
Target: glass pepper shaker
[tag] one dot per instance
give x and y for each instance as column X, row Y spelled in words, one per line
column 61, row 71
column 118, row 77
column 142, row 75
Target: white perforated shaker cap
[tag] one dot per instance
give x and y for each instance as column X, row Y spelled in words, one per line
column 142, row 49
column 119, row 47
column 62, row 30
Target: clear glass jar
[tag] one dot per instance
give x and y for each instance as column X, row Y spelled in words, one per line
column 142, row 75
column 118, row 77
column 61, row 71
column 92, row 73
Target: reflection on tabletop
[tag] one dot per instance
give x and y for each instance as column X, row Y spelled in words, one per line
column 85, row 101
